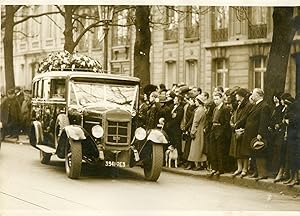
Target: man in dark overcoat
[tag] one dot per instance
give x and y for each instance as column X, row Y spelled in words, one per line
column 220, row 135
column 257, row 127
column 174, row 125
column 10, row 115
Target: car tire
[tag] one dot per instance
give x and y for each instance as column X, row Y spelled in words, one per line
column 61, row 122
column 153, row 165
column 73, row 158
column 45, row 157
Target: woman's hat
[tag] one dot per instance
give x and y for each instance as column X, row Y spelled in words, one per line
column 200, row 99
column 242, row 92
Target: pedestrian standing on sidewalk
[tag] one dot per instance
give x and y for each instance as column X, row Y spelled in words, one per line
column 293, row 145
column 277, row 130
column 220, row 133
column 10, row 115
column 256, row 126
column 26, row 112
column 153, row 113
column 209, row 108
column 174, row 129
column 197, row 135
column 189, row 109
column 238, row 121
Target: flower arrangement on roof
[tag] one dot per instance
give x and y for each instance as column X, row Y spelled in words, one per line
column 64, row 60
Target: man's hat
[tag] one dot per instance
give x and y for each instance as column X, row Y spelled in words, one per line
column 258, row 145
column 148, row 89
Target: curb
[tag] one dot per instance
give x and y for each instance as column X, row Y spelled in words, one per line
column 22, row 140
column 265, row 184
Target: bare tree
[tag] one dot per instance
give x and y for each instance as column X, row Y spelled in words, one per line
column 8, row 25
column 283, row 34
column 142, row 44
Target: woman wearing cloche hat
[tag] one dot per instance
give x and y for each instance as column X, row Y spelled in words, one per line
column 197, row 134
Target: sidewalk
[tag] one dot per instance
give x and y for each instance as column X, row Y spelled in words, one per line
column 266, row 184
column 23, row 139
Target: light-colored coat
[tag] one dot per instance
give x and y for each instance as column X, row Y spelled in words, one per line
column 196, row 151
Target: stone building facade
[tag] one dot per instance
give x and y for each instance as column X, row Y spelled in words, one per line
column 201, row 46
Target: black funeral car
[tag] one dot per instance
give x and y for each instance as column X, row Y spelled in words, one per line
column 91, row 117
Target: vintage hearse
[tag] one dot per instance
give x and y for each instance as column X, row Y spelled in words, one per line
column 91, row 117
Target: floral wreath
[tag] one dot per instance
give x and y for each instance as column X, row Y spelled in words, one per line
column 67, row 61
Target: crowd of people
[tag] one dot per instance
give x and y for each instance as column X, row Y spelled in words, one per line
column 15, row 113
column 233, row 131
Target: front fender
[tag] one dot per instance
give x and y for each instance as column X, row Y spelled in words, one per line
column 157, row 136
column 75, row 132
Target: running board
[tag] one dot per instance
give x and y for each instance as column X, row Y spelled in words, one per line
column 46, row 149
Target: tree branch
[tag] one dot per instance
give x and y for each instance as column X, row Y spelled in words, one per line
column 34, row 16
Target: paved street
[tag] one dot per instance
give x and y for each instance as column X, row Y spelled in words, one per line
column 26, row 185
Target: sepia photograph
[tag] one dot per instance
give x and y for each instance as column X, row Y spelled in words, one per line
column 150, row 108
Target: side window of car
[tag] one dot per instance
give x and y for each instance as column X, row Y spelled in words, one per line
column 34, row 90
column 58, row 89
column 46, row 88
column 39, row 89
column 73, row 100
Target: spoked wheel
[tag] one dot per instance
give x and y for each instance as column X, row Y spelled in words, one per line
column 153, row 164
column 73, row 158
column 45, row 157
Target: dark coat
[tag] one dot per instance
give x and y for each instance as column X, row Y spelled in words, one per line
column 293, row 141
column 257, row 122
column 153, row 115
column 10, row 112
column 239, row 120
column 174, row 129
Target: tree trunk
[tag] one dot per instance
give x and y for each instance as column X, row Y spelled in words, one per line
column 283, row 34
column 142, row 45
column 68, row 32
column 8, row 47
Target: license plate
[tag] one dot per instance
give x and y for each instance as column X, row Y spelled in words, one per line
column 115, row 164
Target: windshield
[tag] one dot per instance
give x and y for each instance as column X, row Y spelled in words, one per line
column 104, row 95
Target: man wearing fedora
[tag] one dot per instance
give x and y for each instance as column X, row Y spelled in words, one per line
column 256, row 129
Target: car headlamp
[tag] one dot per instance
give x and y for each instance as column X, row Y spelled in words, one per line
column 97, row 131
column 140, row 133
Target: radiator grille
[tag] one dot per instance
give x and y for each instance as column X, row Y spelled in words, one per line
column 117, row 133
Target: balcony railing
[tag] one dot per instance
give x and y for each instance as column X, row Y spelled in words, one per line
column 120, row 40
column 171, row 34
column 219, row 35
column 257, row 31
column 191, row 32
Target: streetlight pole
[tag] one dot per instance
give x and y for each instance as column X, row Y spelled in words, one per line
column 105, row 53
column 105, row 15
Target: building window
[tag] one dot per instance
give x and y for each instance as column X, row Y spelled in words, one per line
column 259, row 69
column 258, row 22
column 192, row 22
column 220, row 23
column 172, row 18
column 121, row 30
column 170, row 75
column 221, row 76
column 191, row 72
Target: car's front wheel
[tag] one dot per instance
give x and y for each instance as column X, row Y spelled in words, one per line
column 153, row 164
column 73, row 158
